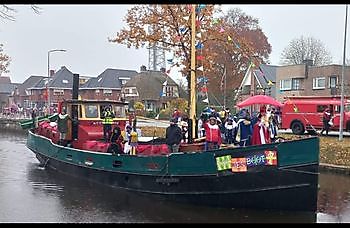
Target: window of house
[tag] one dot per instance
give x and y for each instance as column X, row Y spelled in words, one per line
column 107, row 92
column 58, row 92
column 64, row 81
column 91, row 111
column 286, row 84
column 134, row 91
column 169, row 91
column 333, row 81
column 296, row 84
column 319, row 83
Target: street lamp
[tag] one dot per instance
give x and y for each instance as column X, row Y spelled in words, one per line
column 48, row 74
column 342, row 80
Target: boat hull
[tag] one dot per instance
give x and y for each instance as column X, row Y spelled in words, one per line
column 283, row 187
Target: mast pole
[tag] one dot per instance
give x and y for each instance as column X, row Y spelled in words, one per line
column 193, row 72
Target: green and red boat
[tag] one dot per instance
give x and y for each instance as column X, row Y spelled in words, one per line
column 281, row 175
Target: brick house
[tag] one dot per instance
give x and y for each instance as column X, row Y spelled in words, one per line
column 152, row 88
column 258, row 81
column 106, row 86
column 308, row 80
column 21, row 95
column 6, row 88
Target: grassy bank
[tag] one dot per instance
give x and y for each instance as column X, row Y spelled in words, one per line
column 332, row 151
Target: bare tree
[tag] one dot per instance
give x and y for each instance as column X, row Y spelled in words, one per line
column 7, row 12
column 303, row 48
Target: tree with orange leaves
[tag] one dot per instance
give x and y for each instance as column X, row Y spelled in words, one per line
column 4, row 61
column 227, row 41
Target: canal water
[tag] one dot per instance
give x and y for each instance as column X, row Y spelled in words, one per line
column 29, row 193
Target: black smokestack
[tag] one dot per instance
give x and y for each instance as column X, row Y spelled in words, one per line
column 74, row 114
column 75, row 92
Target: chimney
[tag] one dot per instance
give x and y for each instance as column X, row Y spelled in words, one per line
column 308, row 63
column 162, row 70
column 52, row 72
column 143, row 68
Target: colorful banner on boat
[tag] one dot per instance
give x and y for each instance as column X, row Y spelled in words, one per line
column 223, row 162
column 256, row 159
column 242, row 164
column 271, row 157
column 239, row 164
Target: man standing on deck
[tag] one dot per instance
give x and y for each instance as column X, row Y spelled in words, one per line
column 62, row 126
column 173, row 136
column 107, row 121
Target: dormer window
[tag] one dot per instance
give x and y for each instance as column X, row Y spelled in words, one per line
column 65, row 81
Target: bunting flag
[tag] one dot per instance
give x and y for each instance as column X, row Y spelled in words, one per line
column 206, row 100
column 199, row 35
column 229, row 38
column 170, row 61
column 201, row 6
column 270, row 83
column 200, row 57
column 204, row 89
column 202, row 79
column 165, row 83
column 201, row 68
column 237, row 45
column 199, row 45
column 168, row 71
column 215, row 21
column 182, row 30
column 186, row 18
column 178, row 38
column 222, row 30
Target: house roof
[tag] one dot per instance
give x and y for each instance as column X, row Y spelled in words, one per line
column 110, row 78
column 40, row 84
column 149, row 84
column 63, row 78
column 28, row 83
column 269, row 72
column 7, row 88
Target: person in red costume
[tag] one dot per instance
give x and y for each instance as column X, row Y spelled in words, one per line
column 261, row 134
column 212, row 134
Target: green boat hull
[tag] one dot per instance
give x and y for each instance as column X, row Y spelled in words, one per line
column 195, row 177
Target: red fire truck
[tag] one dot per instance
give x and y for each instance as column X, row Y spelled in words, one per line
column 301, row 113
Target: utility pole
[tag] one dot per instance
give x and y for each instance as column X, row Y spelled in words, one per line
column 342, row 80
column 48, row 75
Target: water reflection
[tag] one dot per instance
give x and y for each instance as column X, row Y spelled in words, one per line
column 98, row 203
column 29, row 193
column 333, row 198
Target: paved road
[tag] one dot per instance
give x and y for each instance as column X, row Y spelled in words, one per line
column 331, row 133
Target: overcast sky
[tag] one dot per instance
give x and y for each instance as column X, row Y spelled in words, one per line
column 83, row 30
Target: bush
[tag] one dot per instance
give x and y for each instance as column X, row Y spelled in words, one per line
column 164, row 114
column 151, row 114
